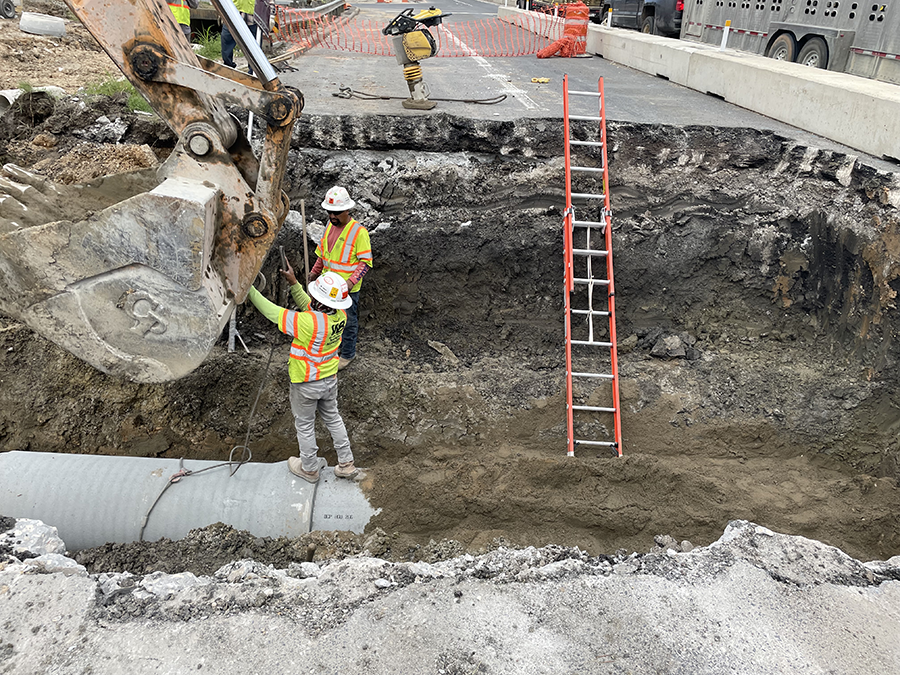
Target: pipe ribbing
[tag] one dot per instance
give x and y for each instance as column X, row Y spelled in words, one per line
column 94, row 499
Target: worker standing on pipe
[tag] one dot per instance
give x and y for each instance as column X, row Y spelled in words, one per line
column 345, row 248
column 313, row 366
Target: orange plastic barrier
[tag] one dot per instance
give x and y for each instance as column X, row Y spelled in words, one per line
column 481, row 37
column 577, row 17
column 565, row 46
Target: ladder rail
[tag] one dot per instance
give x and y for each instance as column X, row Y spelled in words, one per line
column 569, row 272
column 613, row 350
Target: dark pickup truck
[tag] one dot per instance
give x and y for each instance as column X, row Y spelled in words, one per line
column 596, row 8
column 659, row 17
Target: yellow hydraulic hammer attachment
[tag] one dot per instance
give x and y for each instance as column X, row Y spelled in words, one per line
column 143, row 288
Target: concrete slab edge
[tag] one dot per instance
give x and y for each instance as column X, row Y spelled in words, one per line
column 860, row 113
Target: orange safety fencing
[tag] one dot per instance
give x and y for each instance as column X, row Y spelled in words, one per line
column 480, row 37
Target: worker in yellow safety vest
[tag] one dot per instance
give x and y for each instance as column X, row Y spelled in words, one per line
column 313, row 366
column 246, row 8
column 182, row 11
column 345, row 248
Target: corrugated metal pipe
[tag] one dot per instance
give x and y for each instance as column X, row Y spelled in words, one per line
column 94, row 499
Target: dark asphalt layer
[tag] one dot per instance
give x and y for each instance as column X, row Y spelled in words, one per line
column 631, row 95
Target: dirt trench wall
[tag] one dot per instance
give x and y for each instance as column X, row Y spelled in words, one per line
column 755, row 288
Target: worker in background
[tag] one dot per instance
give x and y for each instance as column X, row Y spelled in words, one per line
column 182, row 11
column 246, row 8
column 313, row 366
column 345, row 248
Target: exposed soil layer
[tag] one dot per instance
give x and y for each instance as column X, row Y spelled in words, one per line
column 755, row 286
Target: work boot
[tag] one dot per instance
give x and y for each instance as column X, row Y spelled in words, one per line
column 346, row 470
column 343, row 363
column 295, row 466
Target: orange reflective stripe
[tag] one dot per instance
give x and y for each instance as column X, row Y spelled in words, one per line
column 296, row 323
column 283, row 321
column 315, row 330
column 340, row 267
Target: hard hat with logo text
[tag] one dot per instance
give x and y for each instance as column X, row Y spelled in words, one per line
column 337, row 199
column 331, row 290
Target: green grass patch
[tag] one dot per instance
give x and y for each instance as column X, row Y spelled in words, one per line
column 210, row 44
column 112, row 86
column 26, row 86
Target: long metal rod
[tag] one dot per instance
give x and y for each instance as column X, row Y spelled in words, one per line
column 241, row 33
column 569, row 272
column 613, row 352
column 305, row 246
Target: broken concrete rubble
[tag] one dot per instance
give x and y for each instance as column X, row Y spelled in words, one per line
column 754, row 601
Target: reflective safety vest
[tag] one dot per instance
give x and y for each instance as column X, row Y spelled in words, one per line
column 317, row 339
column 181, row 10
column 245, row 6
column 317, row 335
column 352, row 247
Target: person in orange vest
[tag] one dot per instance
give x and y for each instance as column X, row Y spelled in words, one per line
column 181, row 9
column 313, row 366
column 345, row 248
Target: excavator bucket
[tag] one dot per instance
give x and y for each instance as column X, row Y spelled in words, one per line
column 142, row 287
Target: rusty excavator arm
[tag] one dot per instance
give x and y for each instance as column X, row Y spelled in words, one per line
column 143, row 288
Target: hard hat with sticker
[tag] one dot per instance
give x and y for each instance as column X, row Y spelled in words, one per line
column 333, row 292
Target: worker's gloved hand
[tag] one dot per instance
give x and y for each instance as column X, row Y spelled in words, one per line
column 288, row 274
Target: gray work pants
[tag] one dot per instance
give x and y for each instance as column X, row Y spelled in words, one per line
column 306, row 398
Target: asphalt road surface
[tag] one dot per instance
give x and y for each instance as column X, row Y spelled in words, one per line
column 631, row 95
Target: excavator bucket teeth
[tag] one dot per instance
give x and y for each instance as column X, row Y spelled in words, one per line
column 140, row 285
column 129, row 289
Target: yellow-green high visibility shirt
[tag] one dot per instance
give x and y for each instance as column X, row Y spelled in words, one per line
column 181, row 10
column 317, row 335
column 352, row 247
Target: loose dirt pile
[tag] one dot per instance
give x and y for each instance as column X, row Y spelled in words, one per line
column 756, row 286
column 69, row 62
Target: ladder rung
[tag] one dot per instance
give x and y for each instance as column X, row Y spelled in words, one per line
column 592, row 312
column 600, row 375
column 587, row 195
column 587, row 169
column 589, row 118
column 592, row 408
column 596, row 282
column 608, row 444
column 596, row 144
column 572, row 92
column 589, row 342
column 588, row 223
column 589, row 251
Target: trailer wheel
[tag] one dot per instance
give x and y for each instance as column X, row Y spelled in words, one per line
column 783, row 48
column 649, row 25
column 7, row 9
column 814, row 53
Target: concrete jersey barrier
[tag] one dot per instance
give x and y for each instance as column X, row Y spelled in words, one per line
column 860, row 113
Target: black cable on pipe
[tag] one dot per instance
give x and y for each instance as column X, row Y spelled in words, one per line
column 182, row 472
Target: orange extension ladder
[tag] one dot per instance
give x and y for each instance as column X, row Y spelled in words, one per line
column 595, row 243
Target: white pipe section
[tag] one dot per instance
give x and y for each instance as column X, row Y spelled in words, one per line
column 95, row 499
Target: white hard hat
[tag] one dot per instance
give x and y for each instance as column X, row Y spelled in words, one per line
column 331, row 290
column 337, row 199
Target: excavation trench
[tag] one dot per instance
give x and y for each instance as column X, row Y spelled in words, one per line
column 755, row 285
